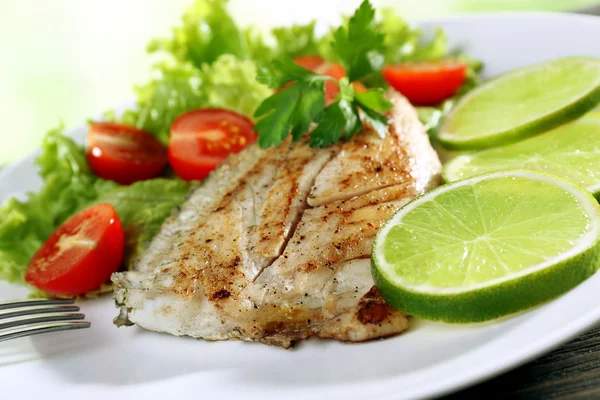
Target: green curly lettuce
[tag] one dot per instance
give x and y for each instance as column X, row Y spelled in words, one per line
column 210, row 62
column 227, row 83
column 69, row 186
column 142, row 208
column 207, row 31
column 299, row 40
column 403, row 42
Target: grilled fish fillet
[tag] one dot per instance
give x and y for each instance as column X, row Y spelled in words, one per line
column 275, row 245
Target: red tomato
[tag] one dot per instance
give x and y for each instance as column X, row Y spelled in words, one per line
column 201, row 139
column 318, row 65
column 426, row 83
column 124, row 153
column 81, row 254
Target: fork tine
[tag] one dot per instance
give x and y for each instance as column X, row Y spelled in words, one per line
column 33, row 302
column 37, row 310
column 47, row 328
column 39, row 318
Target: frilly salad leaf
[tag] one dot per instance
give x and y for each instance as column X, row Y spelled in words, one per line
column 143, row 207
column 69, row 186
column 177, row 88
column 404, row 42
column 299, row 40
column 207, row 31
column 210, row 62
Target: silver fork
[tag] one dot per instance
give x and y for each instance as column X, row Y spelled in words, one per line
column 19, row 318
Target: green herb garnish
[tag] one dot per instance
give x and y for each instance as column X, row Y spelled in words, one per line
column 292, row 109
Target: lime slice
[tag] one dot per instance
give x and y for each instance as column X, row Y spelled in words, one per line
column 487, row 246
column 571, row 150
column 523, row 103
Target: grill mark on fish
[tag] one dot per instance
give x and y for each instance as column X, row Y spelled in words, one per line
column 348, row 230
column 222, row 265
column 304, row 207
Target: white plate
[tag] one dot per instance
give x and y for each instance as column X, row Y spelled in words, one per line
column 431, row 359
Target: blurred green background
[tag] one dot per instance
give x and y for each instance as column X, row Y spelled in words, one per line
column 72, row 59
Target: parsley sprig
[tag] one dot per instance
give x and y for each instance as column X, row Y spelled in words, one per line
column 293, row 109
column 360, row 45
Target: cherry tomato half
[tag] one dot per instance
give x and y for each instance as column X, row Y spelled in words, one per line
column 426, row 83
column 201, row 139
column 81, row 254
column 124, row 153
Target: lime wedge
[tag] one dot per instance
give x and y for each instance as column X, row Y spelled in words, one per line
column 571, row 150
column 487, row 246
column 523, row 103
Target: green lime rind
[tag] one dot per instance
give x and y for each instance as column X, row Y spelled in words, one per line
column 484, row 302
column 495, row 301
column 571, row 150
column 452, row 136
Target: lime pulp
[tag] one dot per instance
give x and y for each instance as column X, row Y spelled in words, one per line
column 487, row 246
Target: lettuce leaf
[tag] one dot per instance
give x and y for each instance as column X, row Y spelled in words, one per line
column 299, row 40
column 174, row 90
column 207, row 31
column 286, row 42
column 227, row 83
column 210, row 62
column 143, row 207
column 231, row 83
column 69, row 186
column 404, row 42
